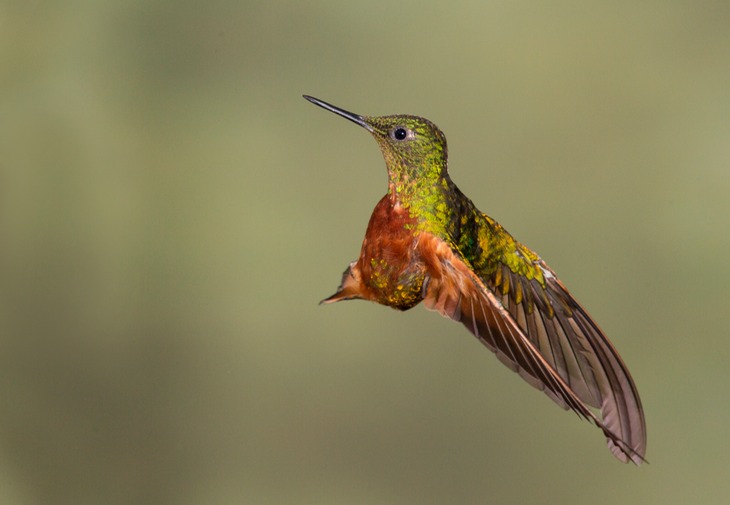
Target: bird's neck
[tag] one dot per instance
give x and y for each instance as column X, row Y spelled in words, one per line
column 424, row 192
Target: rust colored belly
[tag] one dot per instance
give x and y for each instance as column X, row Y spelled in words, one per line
column 392, row 269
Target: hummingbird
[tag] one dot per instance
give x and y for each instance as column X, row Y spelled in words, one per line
column 427, row 242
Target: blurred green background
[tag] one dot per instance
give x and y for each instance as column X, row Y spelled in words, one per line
column 171, row 212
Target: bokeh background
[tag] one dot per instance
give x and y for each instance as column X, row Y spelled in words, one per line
column 171, row 212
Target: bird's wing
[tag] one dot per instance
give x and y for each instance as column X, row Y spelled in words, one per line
column 545, row 336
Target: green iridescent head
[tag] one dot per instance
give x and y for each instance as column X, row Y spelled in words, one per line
column 413, row 147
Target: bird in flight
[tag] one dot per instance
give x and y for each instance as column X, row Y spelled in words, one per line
column 427, row 242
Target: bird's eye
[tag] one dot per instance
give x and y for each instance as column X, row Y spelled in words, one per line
column 400, row 133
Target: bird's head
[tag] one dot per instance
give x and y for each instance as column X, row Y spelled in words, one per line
column 413, row 147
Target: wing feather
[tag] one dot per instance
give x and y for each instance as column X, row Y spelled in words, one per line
column 545, row 336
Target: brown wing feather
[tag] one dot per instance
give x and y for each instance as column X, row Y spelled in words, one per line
column 577, row 350
column 547, row 338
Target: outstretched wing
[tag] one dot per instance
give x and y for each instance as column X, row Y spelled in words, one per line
column 545, row 336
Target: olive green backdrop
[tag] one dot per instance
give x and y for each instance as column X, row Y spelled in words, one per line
column 171, row 212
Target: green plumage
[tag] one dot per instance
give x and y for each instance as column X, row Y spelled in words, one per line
column 418, row 176
column 418, row 179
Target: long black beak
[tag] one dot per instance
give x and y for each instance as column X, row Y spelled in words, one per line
column 358, row 120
